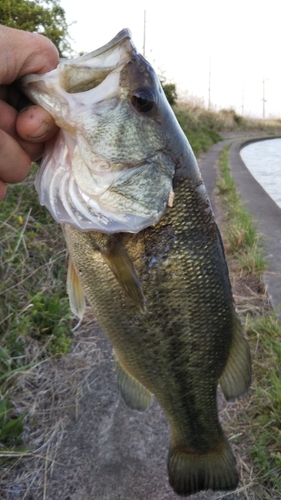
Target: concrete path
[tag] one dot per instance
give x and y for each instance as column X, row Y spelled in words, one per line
column 112, row 453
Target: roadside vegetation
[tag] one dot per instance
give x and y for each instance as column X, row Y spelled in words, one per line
column 36, row 324
column 261, row 419
column 34, row 312
column 243, row 238
column 205, row 127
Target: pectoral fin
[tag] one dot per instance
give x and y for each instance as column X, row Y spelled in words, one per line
column 75, row 291
column 135, row 395
column 125, row 272
column 236, row 377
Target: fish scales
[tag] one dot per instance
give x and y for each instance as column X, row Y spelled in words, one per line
column 179, row 348
column 145, row 249
column 173, row 281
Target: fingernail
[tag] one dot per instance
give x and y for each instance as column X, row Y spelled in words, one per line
column 25, row 108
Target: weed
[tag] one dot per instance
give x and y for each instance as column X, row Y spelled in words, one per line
column 11, row 426
column 264, row 332
column 244, row 244
column 200, row 135
column 243, row 238
column 33, row 300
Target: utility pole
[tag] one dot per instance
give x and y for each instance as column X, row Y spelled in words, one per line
column 209, row 89
column 263, row 99
column 242, row 106
column 144, row 34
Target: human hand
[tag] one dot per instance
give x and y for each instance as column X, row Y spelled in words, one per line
column 23, row 132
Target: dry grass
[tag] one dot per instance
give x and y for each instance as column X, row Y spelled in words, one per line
column 197, row 116
column 47, row 394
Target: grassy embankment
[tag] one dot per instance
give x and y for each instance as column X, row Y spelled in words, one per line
column 203, row 127
column 35, row 322
column 34, row 311
column 244, row 248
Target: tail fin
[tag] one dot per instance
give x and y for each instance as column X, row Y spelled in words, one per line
column 192, row 472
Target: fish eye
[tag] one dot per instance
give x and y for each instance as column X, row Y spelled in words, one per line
column 143, row 99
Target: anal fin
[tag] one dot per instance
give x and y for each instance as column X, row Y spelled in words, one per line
column 134, row 394
column 236, row 377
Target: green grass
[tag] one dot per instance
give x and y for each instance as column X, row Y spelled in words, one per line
column 264, row 332
column 242, row 234
column 201, row 134
column 203, row 127
column 35, row 321
column 244, row 246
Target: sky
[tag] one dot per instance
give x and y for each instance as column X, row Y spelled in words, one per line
column 233, row 47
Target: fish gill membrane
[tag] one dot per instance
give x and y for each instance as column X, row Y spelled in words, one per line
column 159, row 286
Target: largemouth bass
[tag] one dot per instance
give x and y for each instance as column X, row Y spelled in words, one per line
column 161, row 293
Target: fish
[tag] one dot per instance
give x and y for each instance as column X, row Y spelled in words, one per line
column 160, row 290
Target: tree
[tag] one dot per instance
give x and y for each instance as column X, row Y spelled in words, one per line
column 170, row 91
column 46, row 17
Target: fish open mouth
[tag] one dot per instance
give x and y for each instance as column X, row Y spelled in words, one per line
column 92, row 69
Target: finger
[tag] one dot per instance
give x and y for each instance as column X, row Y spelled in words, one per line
column 34, row 124
column 23, row 52
column 15, row 163
column 8, row 117
column 33, row 146
column 34, row 151
column 3, row 190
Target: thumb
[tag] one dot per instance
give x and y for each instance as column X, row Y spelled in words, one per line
column 34, row 124
column 23, row 53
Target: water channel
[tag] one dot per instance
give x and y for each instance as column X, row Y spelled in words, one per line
column 263, row 160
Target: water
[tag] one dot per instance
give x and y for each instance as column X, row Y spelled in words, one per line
column 263, row 160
